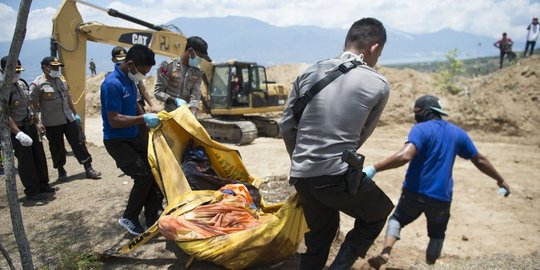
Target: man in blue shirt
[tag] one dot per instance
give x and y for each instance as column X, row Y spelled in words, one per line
column 121, row 115
column 431, row 149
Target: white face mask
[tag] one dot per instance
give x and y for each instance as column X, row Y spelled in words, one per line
column 195, row 62
column 54, row 73
column 137, row 77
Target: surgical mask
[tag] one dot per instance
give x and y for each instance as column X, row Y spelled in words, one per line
column 137, row 77
column 54, row 73
column 195, row 62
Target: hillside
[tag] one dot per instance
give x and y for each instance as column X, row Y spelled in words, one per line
column 503, row 102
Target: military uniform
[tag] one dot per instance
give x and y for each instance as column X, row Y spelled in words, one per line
column 178, row 81
column 58, row 118
column 31, row 160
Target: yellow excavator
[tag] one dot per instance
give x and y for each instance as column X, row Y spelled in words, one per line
column 238, row 96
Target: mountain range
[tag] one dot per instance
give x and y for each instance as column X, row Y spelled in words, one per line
column 248, row 39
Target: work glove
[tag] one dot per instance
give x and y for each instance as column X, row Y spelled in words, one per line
column 24, row 139
column 179, row 102
column 151, row 120
column 77, row 119
column 370, row 171
column 503, row 192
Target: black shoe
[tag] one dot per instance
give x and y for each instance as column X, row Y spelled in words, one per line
column 345, row 259
column 48, row 189
column 62, row 175
column 93, row 174
column 377, row 261
column 36, row 197
column 132, row 226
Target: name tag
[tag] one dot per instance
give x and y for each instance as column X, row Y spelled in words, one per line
column 48, row 89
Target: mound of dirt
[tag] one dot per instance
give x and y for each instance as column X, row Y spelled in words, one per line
column 502, row 103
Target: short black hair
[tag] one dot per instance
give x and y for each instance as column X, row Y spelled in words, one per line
column 141, row 55
column 365, row 32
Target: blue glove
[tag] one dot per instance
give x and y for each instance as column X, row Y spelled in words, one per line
column 179, row 102
column 503, row 192
column 370, row 171
column 151, row 119
column 77, row 119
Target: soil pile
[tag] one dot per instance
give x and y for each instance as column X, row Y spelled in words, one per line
column 504, row 102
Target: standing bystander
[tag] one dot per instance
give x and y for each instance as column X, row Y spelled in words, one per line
column 51, row 97
column 532, row 36
column 26, row 131
column 92, row 67
column 505, row 47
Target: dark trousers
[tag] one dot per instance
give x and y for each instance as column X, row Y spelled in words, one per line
column 411, row 205
column 131, row 157
column 322, row 199
column 31, row 160
column 75, row 138
column 530, row 44
column 501, row 58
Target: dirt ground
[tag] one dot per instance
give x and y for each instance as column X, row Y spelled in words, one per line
column 486, row 231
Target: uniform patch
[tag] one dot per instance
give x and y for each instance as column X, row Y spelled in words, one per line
column 47, row 89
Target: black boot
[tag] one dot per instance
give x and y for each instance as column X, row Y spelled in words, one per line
column 433, row 251
column 345, row 258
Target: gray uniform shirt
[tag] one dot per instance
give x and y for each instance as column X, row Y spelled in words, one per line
column 20, row 106
column 51, row 96
column 178, row 81
column 341, row 116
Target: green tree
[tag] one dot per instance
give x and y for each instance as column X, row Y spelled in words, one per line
column 449, row 72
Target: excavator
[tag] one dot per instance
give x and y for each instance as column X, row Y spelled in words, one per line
column 237, row 96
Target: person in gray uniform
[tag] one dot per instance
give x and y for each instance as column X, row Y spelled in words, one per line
column 340, row 117
column 26, row 131
column 179, row 80
column 50, row 95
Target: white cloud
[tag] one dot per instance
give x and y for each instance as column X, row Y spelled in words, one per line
column 6, row 29
column 487, row 17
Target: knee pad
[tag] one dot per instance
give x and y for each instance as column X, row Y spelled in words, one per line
column 433, row 251
column 393, row 229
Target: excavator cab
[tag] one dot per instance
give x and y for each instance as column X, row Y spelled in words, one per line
column 241, row 85
column 238, row 94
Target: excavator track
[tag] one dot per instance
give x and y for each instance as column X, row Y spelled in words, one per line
column 237, row 132
column 266, row 127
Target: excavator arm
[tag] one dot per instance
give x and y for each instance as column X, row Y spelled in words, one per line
column 70, row 35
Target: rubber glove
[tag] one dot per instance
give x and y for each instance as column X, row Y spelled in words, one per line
column 503, row 192
column 370, row 171
column 24, row 139
column 77, row 119
column 179, row 102
column 151, row 119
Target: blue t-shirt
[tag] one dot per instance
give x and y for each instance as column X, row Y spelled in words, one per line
column 437, row 143
column 118, row 94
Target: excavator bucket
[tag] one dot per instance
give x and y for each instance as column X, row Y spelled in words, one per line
column 280, row 228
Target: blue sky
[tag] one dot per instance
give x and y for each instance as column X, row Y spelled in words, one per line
column 486, row 17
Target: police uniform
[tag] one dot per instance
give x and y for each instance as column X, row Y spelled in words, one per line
column 178, row 81
column 32, row 162
column 58, row 118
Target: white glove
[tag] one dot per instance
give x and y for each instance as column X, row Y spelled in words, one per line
column 24, row 139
